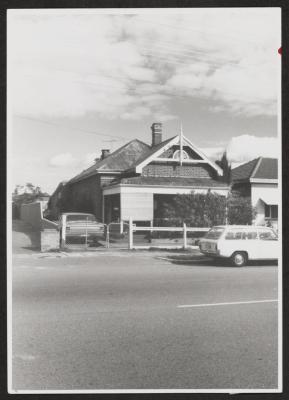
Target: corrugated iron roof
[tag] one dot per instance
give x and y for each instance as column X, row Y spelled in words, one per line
column 259, row 168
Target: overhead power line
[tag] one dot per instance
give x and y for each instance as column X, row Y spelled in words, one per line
column 71, row 128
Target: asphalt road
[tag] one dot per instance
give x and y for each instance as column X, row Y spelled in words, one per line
column 115, row 322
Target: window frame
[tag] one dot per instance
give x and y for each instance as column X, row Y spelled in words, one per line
column 268, row 211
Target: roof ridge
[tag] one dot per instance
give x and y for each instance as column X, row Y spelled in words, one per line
column 115, row 152
column 255, row 169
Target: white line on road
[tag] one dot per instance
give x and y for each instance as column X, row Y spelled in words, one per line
column 227, row 304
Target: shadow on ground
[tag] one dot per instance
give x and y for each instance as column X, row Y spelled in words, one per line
column 201, row 260
column 24, row 237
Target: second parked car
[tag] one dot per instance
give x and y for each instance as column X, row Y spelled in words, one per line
column 73, row 225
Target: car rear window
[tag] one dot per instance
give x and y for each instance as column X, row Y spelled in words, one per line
column 74, row 218
column 267, row 235
column 214, row 233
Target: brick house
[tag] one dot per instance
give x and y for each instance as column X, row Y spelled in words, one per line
column 258, row 179
column 134, row 180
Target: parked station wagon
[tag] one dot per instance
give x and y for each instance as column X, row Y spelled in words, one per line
column 240, row 243
column 80, row 225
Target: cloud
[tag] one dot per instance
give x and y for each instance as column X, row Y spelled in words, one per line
column 62, row 160
column 244, row 148
column 247, row 147
column 129, row 66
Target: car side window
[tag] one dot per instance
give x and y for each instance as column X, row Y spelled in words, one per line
column 234, row 235
column 267, row 235
column 251, row 235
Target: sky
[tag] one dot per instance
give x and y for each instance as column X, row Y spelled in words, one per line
column 81, row 80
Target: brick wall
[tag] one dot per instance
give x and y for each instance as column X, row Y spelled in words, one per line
column 86, row 195
column 188, row 171
column 32, row 214
column 49, row 240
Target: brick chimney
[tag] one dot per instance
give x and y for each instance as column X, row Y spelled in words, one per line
column 156, row 133
column 104, row 153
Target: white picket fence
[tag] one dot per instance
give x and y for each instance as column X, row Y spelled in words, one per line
column 185, row 229
column 121, row 235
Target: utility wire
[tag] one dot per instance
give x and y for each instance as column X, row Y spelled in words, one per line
column 70, row 128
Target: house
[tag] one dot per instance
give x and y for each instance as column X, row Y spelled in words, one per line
column 258, row 179
column 136, row 179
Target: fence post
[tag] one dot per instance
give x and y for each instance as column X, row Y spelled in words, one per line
column 86, row 233
column 107, row 236
column 185, row 235
column 130, row 234
column 226, row 210
column 63, row 231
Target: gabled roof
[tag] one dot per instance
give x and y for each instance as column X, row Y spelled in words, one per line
column 259, row 168
column 154, row 149
column 267, row 169
column 133, row 156
column 157, row 151
column 120, row 160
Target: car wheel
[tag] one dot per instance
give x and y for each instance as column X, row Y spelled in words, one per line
column 239, row 259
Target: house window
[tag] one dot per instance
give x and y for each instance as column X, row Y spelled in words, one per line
column 177, row 155
column 271, row 211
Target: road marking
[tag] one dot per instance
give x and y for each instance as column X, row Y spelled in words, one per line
column 227, row 304
column 24, row 357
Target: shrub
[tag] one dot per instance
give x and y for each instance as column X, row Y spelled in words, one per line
column 240, row 210
column 206, row 210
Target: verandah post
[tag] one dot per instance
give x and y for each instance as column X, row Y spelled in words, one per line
column 130, row 234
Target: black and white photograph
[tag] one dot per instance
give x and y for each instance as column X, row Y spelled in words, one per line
column 144, row 229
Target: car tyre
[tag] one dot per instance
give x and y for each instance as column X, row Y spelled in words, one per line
column 239, row 259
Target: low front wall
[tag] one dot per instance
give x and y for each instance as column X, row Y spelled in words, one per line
column 32, row 214
column 49, row 240
column 45, row 233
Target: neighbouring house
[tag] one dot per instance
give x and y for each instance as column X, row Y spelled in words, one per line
column 258, row 179
column 55, row 203
column 136, row 179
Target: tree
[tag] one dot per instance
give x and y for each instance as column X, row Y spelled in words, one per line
column 226, row 167
column 24, row 195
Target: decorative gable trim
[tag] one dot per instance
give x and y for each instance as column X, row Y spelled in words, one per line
column 204, row 157
column 152, row 157
column 176, row 140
